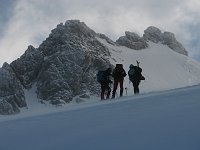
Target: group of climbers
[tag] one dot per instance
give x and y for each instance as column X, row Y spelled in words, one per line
column 118, row 74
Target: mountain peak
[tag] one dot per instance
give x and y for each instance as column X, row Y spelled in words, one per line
column 155, row 35
column 75, row 27
column 132, row 40
column 79, row 28
column 170, row 40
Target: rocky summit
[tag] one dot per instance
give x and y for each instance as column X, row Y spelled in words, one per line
column 155, row 35
column 132, row 40
column 65, row 64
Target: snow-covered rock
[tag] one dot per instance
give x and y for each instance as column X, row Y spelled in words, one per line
column 63, row 66
column 11, row 91
column 155, row 35
column 170, row 40
column 8, row 105
column 103, row 36
column 132, row 40
column 72, row 57
column 152, row 34
column 28, row 66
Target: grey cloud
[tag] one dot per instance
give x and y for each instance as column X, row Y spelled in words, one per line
column 33, row 19
column 6, row 7
column 189, row 24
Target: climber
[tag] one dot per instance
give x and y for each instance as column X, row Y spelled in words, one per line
column 135, row 76
column 118, row 75
column 103, row 77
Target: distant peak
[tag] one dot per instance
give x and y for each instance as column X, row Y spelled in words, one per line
column 153, row 29
column 73, row 22
column 79, row 28
column 155, row 35
column 132, row 40
column 30, row 47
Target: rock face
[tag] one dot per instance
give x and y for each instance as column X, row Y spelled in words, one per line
column 63, row 66
column 102, row 36
column 133, row 41
column 28, row 66
column 155, row 35
column 170, row 40
column 72, row 55
column 11, row 91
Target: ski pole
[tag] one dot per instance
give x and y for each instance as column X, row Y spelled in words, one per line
column 126, row 90
column 116, row 93
column 138, row 63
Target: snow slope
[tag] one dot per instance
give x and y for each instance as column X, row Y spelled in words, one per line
column 158, row 121
column 163, row 68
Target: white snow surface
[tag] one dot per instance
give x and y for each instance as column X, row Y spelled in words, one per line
column 163, row 68
column 156, row 121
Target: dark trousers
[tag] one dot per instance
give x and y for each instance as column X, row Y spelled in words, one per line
column 105, row 87
column 136, row 87
column 116, row 82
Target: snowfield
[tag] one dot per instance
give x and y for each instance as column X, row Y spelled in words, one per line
column 163, row 68
column 157, row 121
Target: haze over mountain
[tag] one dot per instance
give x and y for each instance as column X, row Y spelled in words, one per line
column 64, row 66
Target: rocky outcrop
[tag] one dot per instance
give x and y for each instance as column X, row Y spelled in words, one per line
column 72, row 57
column 155, row 35
column 63, row 66
column 103, row 36
column 28, row 66
column 170, row 40
column 133, row 41
column 11, row 92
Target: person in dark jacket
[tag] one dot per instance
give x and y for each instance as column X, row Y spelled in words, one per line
column 118, row 75
column 105, row 83
column 135, row 76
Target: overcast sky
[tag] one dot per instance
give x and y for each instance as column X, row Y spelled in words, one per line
column 29, row 22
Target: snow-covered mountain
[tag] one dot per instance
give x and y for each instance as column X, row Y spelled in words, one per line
column 63, row 68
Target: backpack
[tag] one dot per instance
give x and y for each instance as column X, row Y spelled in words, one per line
column 135, row 72
column 138, row 70
column 131, row 72
column 119, row 71
column 100, row 76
